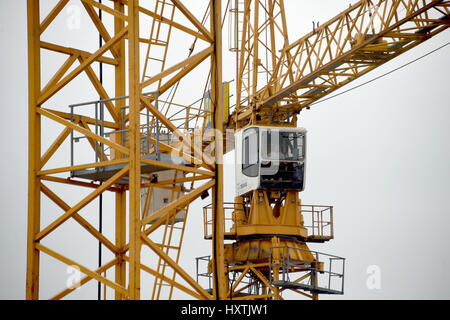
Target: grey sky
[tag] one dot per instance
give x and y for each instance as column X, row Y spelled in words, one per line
column 379, row 154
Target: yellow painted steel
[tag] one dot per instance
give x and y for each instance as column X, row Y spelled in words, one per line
column 297, row 74
column 34, row 147
column 356, row 41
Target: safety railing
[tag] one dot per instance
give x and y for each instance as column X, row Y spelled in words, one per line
column 149, row 129
column 203, row 271
column 318, row 220
column 153, row 133
column 313, row 271
column 241, row 284
column 228, row 208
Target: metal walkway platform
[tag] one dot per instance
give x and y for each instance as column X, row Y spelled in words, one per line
column 104, row 173
column 306, row 287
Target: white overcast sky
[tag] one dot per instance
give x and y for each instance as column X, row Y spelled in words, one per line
column 379, row 154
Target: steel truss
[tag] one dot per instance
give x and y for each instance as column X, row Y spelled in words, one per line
column 363, row 37
column 127, row 34
column 275, row 80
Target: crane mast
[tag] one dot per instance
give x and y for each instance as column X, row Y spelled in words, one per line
column 276, row 80
column 156, row 139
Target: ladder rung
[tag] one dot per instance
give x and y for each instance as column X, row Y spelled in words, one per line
column 156, row 43
column 165, row 285
column 156, row 59
column 163, row 245
column 161, row 42
column 166, row 3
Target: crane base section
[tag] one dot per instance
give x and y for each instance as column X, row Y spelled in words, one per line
column 266, row 267
column 259, row 251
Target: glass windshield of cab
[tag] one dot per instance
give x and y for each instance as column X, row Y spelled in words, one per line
column 282, row 146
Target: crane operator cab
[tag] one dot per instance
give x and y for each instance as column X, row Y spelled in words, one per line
column 270, row 158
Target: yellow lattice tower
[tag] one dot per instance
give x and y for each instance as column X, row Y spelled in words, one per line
column 140, row 130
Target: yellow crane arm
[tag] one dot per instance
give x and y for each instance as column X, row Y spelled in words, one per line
column 358, row 40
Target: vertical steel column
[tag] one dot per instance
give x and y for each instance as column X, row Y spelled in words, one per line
column 120, row 220
column 34, row 149
column 157, row 127
column 135, row 153
column 255, row 50
column 314, row 276
column 72, row 141
column 120, row 274
column 220, row 281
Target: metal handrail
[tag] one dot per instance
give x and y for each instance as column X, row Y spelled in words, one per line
column 321, row 220
column 207, row 221
column 99, row 106
column 206, row 274
column 288, row 266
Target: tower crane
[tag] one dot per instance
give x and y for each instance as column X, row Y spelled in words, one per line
column 156, row 138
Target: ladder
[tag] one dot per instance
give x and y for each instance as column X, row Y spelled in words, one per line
column 235, row 25
column 171, row 245
column 236, row 31
column 158, row 42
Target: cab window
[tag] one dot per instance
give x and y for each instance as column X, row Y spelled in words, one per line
column 250, row 151
column 282, row 146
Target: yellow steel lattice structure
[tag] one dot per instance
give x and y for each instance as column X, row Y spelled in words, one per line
column 149, row 127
